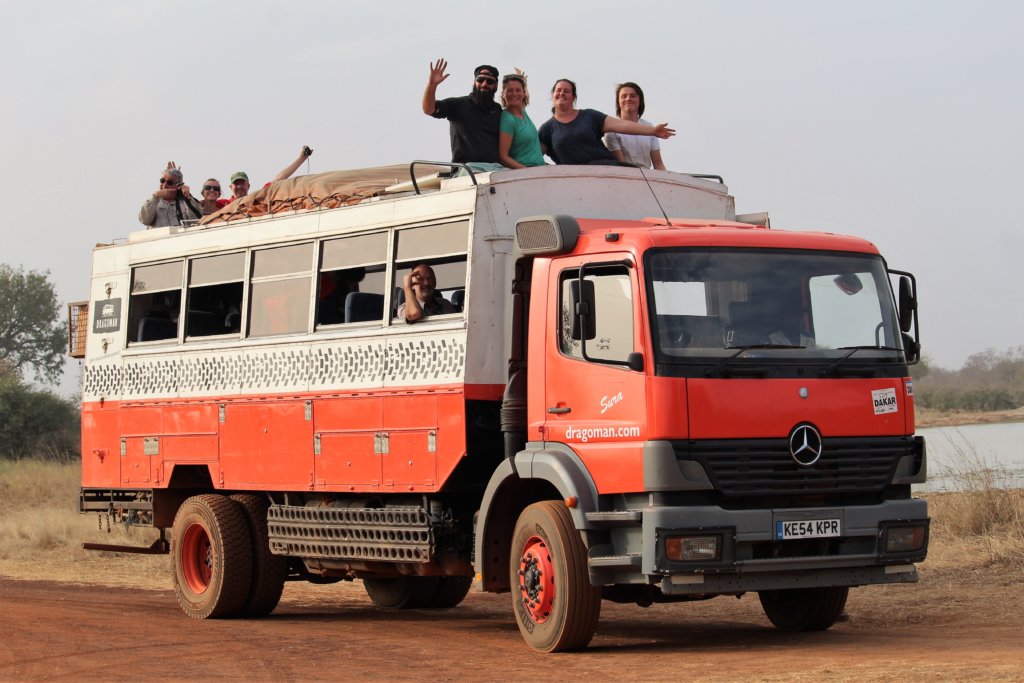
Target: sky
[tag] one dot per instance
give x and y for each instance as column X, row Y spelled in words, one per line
column 898, row 121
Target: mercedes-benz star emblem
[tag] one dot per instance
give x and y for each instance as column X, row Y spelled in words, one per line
column 805, row 445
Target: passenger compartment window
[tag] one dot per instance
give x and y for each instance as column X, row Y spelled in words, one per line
column 352, row 280
column 215, row 295
column 155, row 307
column 280, row 294
column 442, row 247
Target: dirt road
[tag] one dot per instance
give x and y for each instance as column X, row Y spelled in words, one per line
column 947, row 628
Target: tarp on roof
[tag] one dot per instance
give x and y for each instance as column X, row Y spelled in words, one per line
column 320, row 190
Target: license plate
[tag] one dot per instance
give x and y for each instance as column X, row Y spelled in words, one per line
column 806, row 528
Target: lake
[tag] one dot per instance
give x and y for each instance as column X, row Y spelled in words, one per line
column 994, row 450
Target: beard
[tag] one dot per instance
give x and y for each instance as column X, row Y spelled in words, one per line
column 482, row 96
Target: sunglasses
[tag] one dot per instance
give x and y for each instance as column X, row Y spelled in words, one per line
column 167, row 181
column 490, row 80
column 208, row 188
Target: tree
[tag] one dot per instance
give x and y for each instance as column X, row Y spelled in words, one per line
column 31, row 330
column 36, row 423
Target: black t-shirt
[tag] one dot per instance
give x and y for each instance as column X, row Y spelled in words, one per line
column 578, row 142
column 474, row 129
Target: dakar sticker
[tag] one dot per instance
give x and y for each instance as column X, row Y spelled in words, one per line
column 884, row 401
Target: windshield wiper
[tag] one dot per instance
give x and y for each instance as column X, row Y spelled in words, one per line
column 740, row 350
column 850, row 350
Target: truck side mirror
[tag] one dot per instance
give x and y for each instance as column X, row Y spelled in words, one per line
column 584, row 318
column 907, row 304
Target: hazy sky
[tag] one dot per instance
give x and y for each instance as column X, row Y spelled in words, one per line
column 900, row 122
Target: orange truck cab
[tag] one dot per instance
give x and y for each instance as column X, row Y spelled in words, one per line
column 619, row 408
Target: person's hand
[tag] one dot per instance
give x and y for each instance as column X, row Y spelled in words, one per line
column 663, row 131
column 407, row 280
column 185, row 191
column 520, row 72
column 437, row 74
column 306, row 152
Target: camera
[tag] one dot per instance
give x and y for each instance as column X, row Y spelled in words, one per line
column 306, row 150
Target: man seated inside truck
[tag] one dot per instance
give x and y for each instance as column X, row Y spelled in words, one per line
column 421, row 296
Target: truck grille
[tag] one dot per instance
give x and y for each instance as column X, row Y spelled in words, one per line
column 763, row 467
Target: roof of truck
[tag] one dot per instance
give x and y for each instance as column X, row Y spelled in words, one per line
column 716, row 233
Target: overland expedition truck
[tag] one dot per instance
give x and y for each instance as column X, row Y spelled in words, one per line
column 641, row 398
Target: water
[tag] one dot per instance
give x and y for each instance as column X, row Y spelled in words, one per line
column 993, row 452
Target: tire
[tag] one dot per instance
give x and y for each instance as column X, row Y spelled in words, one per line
column 269, row 571
column 402, row 592
column 211, row 557
column 555, row 606
column 451, row 590
column 804, row 609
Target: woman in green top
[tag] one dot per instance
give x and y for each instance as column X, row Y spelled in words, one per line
column 518, row 144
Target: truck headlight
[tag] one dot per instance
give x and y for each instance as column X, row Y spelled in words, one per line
column 693, row 548
column 905, row 539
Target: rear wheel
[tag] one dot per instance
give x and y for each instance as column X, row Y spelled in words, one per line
column 804, row 609
column 402, row 592
column 555, row 606
column 451, row 590
column 269, row 571
column 211, row 557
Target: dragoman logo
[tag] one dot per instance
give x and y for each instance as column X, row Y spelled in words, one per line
column 585, row 435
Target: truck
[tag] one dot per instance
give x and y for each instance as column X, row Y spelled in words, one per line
column 640, row 397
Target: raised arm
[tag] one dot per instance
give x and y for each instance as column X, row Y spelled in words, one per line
column 287, row 171
column 616, row 125
column 437, row 76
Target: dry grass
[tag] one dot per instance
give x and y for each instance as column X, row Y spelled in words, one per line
column 41, row 530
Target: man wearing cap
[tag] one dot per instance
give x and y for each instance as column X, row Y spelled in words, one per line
column 474, row 120
column 240, row 179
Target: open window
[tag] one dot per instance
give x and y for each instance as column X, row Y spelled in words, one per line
column 441, row 247
column 215, row 287
column 352, row 281
column 154, row 310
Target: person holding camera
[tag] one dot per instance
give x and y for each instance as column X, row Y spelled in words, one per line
column 240, row 179
column 172, row 203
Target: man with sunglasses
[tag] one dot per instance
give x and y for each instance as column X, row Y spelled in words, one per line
column 474, row 120
column 172, row 203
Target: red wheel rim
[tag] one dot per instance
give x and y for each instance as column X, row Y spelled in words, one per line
column 196, row 558
column 537, row 579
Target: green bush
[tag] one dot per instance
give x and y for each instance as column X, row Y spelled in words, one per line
column 36, row 423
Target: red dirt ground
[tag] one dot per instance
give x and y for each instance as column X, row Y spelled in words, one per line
column 952, row 626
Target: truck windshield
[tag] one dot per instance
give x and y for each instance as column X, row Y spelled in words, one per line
column 786, row 305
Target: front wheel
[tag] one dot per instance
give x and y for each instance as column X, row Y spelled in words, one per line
column 211, row 557
column 804, row 609
column 555, row 606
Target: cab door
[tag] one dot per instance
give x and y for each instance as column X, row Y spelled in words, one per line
column 595, row 385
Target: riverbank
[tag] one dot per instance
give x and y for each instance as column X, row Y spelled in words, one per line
column 927, row 417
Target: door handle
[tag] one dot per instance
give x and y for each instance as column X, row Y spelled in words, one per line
column 560, row 411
